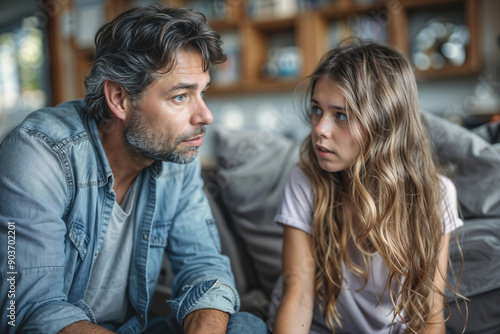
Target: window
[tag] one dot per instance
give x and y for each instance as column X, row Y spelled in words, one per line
column 23, row 72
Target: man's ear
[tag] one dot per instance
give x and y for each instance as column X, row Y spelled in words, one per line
column 116, row 98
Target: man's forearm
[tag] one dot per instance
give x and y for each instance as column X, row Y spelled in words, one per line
column 206, row 321
column 84, row 327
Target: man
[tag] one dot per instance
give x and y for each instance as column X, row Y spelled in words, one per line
column 96, row 192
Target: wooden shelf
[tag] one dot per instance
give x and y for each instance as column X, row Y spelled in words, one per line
column 264, row 86
column 425, row 3
column 447, row 71
column 310, row 29
column 221, row 25
column 342, row 12
column 274, row 25
column 468, row 8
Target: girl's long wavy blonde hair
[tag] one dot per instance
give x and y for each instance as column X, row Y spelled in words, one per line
column 393, row 185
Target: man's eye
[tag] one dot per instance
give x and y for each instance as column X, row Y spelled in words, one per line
column 179, row 98
column 202, row 94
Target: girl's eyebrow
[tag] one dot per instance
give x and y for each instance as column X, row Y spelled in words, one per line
column 330, row 107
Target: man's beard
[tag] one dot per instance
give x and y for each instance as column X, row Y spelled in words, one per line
column 145, row 142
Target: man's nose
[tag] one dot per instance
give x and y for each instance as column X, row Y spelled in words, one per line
column 202, row 115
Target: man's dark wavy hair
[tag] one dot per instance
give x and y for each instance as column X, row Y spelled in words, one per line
column 139, row 45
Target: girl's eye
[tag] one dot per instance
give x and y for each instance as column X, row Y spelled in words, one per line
column 341, row 116
column 202, row 94
column 317, row 111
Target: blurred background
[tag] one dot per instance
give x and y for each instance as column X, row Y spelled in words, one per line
column 46, row 49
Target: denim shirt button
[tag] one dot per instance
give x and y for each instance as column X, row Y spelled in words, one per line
column 142, row 316
column 95, row 254
column 145, row 236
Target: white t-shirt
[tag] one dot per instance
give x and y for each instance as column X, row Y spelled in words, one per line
column 360, row 310
column 107, row 293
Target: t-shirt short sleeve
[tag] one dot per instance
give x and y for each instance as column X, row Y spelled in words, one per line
column 449, row 205
column 296, row 209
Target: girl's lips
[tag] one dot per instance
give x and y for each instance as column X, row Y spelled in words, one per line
column 195, row 141
column 323, row 151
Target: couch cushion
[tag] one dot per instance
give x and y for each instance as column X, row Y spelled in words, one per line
column 480, row 244
column 229, row 244
column 477, row 162
column 252, row 170
column 476, row 157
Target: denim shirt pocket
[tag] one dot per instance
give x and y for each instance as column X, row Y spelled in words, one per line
column 159, row 233
column 79, row 237
column 214, row 233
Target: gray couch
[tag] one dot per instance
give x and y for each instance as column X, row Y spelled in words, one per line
column 246, row 188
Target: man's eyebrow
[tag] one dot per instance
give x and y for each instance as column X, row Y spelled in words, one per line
column 186, row 86
column 330, row 107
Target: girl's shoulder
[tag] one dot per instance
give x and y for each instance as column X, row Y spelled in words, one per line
column 298, row 184
column 449, row 204
column 297, row 175
column 297, row 204
column 297, row 179
column 447, row 187
column 445, row 181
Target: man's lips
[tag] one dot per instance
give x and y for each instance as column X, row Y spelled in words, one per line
column 196, row 141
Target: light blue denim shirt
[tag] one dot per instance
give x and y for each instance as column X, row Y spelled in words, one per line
column 56, row 189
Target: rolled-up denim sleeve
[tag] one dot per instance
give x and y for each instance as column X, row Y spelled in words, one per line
column 33, row 198
column 203, row 275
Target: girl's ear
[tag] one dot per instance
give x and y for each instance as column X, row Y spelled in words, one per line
column 116, row 98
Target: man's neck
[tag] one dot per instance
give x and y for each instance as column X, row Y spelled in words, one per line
column 124, row 165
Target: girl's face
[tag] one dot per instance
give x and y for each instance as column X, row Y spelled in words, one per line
column 331, row 135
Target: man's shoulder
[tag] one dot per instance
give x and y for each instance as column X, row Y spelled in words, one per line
column 58, row 124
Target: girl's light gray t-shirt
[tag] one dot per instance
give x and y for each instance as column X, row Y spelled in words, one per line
column 360, row 308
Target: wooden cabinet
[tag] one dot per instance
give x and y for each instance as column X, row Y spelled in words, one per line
column 307, row 34
column 461, row 21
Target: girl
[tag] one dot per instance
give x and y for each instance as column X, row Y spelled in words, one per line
column 366, row 215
